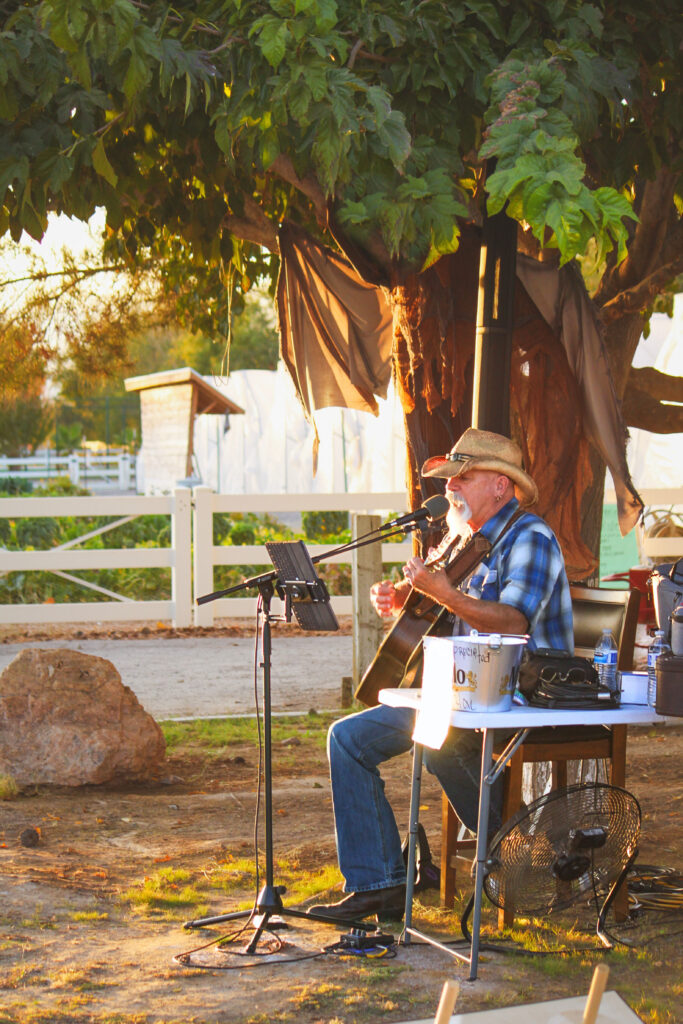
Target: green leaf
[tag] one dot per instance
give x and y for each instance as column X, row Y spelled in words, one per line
column 326, row 16
column 613, row 205
column 316, row 80
column 101, row 164
column 31, row 220
column 327, row 150
column 396, row 137
column 592, row 17
column 298, row 101
column 354, row 213
column 188, row 92
column 269, row 147
column 12, row 170
column 137, row 76
column 9, row 102
column 272, row 40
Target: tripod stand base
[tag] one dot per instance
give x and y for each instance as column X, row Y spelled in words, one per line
column 268, row 905
column 269, row 914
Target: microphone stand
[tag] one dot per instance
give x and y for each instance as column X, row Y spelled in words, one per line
column 352, row 545
column 269, row 903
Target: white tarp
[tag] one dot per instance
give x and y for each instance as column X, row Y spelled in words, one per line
column 656, row 459
column 269, row 450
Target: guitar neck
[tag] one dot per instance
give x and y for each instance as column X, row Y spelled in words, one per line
column 467, row 559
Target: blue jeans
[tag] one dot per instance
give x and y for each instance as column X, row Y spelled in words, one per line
column 368, row 842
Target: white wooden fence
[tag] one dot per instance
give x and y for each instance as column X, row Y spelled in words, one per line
column 191, row 521
column 207, row 554
column 192, row 554
column 177, row 557
column 85, row 469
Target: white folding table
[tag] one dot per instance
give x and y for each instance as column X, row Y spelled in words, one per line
column 520, row 719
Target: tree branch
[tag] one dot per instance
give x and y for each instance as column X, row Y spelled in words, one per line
column 641, row 295
column 641, row 410
column 655, row 211
column 283, row 167
column 664, row 387
column 255, row 227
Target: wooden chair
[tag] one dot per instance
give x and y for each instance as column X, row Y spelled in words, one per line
column 594, row 609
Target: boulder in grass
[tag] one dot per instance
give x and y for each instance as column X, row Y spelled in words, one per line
column 67, row 719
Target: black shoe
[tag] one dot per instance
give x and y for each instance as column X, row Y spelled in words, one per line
column 388, row 903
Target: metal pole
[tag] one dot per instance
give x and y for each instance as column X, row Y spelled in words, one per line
column 412, row 838
column 482, row 841
column 495, row 311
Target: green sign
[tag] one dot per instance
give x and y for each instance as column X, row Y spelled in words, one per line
column 617, row 554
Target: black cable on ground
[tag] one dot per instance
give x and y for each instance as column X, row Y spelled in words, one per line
column 348, row 945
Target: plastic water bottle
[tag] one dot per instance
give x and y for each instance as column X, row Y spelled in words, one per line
column 657, row 647
column 605, row 662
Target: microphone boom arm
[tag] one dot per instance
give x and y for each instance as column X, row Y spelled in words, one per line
column 360, row 542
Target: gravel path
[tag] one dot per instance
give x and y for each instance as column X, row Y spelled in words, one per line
column 211, row 676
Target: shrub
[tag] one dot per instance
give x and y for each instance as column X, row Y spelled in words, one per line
column 222, row 525
column 242, row 533
column 36, row 532
column 13, row 485
column 323, row 525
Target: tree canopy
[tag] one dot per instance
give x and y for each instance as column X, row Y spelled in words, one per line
column 200, row 126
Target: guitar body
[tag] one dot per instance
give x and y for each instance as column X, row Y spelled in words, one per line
column 398, row 661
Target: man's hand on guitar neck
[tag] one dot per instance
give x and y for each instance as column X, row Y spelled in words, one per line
column 388, row 598
column 486, row 616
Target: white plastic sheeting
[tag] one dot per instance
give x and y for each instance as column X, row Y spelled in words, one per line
column 269, row 450
column 656, row 460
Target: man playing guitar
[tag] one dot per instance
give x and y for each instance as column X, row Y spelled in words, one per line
column 520, row 586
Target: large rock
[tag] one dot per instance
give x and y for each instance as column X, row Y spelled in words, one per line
column 67, row 719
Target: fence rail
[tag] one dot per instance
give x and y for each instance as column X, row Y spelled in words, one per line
column 113, row 470
column 191, row 556
column 177, row 557
column 207, row 554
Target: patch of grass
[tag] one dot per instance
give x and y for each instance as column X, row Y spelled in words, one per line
column 89, row 915
column 8, row 787
column 236, row 874
column 36, row 921
column 654, row 1013
column 266, row 1018
column 379, row 972
column 315, row 996
column 19, row 976
column 79, row 979
column 163, row 894
column 21, row 1012
column 216, row 734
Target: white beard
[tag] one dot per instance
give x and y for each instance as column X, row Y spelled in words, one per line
column 458, row 516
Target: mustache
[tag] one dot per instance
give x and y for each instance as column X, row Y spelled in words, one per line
column 459, row 511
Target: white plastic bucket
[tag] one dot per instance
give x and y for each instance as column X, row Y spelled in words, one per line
column 482, row 668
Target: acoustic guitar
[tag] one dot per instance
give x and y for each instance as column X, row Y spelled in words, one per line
column 398, row 661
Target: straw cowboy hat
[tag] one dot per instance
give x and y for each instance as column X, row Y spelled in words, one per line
column 482, row 449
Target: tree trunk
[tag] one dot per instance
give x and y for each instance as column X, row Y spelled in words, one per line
column 434, row 321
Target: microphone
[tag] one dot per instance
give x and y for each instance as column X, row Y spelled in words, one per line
column 434, row 508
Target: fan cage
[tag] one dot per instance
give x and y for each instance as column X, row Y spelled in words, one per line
column 569, row 844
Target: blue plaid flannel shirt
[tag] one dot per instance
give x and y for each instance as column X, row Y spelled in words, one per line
column 526, row 570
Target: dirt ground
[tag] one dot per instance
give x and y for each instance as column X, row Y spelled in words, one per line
column 74, row 947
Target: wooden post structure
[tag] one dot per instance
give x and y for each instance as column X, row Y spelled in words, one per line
column 366, row 569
